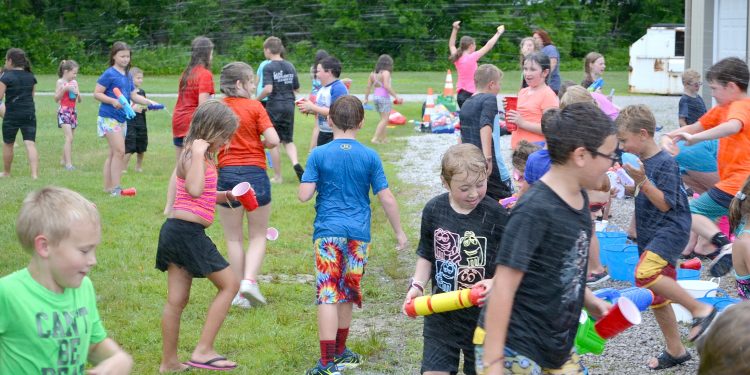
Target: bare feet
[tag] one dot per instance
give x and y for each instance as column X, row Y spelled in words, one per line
column 173, row 367
column 276, row 180
column 4, row 174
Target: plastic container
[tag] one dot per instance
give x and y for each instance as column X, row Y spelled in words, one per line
column 587, row 340
column 688, row 274
column 721, row 299
column 621, row 261
column 697, row 289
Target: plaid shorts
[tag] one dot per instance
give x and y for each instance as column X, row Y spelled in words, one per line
column 339, row 266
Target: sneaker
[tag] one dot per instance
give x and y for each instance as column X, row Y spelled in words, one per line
column 722, row 263
column 251, row 291
column 241, row 302
column 596, row 278
column 348, row 359
column 319, row 369
column 116, row 192
column 70, row 168
column 299, row 171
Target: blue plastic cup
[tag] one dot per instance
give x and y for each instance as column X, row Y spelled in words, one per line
column 641, row 297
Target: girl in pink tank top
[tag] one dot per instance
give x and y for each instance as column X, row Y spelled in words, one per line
column 184, row 249
column 67, row 94
column 465, row 59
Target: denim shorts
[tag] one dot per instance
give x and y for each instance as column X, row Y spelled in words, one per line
column 230, row 176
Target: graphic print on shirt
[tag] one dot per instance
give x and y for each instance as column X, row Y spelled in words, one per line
column 285, row 79
column 459, row 260
column 573, row 269
column 66, row 328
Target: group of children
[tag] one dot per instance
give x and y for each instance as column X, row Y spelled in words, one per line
column 527, row 324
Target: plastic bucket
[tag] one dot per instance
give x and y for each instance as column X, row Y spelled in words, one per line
column 688, row 274
column 697, row 289
column 721, row 300
column 621, row 261
column 613, row 241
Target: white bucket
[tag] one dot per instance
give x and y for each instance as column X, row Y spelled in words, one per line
column 696, row 289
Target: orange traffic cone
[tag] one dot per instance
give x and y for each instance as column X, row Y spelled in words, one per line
column 429, row 106
column 448, row 89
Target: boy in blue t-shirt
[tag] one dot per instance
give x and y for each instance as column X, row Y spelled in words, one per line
column 342, row 172
column 328, row 72
column 662, row 217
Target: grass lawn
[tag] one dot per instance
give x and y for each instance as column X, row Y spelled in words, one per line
column 280, row 338
column 404, row 82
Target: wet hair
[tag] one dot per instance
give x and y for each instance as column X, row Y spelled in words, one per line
column 18, row 59
column 464, row 44
column 635, row 117
column 546, row 40
column 213, row 122
column 724, row 349
column 576, row 94
column 385, row 62
column 731, row 69
column 331, row 64
column 230, row 74
column 739, row 209
column 590, row 58
column 201, row 49
column 463, row 158
column 690, row 76
column 53, row 212
column 65, row 66
column 520, row 47
column 577, row 125
column 274, row 45
column 564, row 87
column 485, row 74
column 521, row 154
column 541, row 59
column 605, row 185
column 347, row 113
column 134, row 71
column 117, row 47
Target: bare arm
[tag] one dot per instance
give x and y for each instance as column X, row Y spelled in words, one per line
column 306, row 191
column 485, row 135
column 102, row 97
column 267, row 90
column 491, row 43
column 731, row 127
column 196, row 169
column 109, row 358
column 682, row 122
column 370, row 82
column 552, row 64
column 390, row 206
column 387, row 83
column 270, row 138
column 140, row 99
column 60, row 90
column 498, row 317
column 202, row 97
column 452, row 39
column 2, row 90
column 422, row 273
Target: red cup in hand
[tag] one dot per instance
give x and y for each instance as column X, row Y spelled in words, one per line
column 622, row 316
column 245, row 194
column 511, row 104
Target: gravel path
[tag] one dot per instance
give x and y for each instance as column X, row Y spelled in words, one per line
column 629, row 352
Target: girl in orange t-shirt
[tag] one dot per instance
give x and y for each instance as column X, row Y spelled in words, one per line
column 533, row 100
column 244, row 160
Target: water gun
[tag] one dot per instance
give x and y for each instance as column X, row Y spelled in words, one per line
column 155, row 107
column 442, row 302
column 596, row 85
column 129, row 112
column 507, row 202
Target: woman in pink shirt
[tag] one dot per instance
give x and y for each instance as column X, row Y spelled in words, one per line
column 533, row 100
column 465, row 59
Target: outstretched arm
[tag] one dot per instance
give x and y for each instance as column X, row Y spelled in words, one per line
column 731, row 127
column 491, row 43
column 452, row 39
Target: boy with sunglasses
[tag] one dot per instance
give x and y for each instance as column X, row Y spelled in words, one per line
column 662, row 217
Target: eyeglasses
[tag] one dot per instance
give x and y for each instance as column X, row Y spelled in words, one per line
column 612, row 158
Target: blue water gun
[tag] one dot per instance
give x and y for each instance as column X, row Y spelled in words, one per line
column 155, row 107
column 129, row 112
column 596, row 85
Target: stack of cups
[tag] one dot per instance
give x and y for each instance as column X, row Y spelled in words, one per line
column 511, row 104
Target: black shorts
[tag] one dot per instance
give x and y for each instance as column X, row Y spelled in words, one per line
column 324, row 137
column 230, row 176
column 282, row 117
column 136, row 139
column 12, row 126
column 446, row 335
column 462, row 96
column 178, row 141
column 185, row 244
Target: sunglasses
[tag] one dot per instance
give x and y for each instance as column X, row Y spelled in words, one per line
column 594, row 207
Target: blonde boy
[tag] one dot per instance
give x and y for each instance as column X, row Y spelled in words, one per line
column 49, row 322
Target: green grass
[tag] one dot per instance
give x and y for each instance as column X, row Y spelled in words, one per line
column 403, row 82
column 279, row 338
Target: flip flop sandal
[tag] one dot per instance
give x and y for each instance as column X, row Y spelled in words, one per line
column 209, row 365
column 667, row 361
column 703, row 323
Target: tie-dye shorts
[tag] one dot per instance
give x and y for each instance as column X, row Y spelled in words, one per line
column 339, row 266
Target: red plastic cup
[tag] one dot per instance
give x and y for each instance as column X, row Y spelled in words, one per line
column 129, row 192
column 246, row 195
column 398, row 101
column 691, row 264
column 622, row 316
column 511, row 104
column 272, row 234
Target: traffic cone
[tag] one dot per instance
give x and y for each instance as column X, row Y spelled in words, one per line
column 448, row 89
column 429, row 106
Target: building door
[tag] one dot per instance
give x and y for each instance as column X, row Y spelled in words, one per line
column 730, row 23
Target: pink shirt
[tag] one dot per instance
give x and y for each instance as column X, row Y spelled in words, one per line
column 605, row 105
column 531, row 106
column 466, row 65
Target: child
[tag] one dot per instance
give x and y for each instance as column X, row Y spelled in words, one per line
column 341, row 235
column 477, row 115
column 185, row 251
column 662, row 220
column 593, row 67
column 136, row 139
column 111, row 122
column 533, row 100
column 460, row 235
column 329, row 70
column 67, row 94
column 520, row 156
column 17, row 85
column 528, row 45
column 316, row 86
column 465, row 59
column 691, row 106
column 739, row 213
column 245, row 161
column 725, row 348
column 380, row 80
column 728, row 79
column 280, row 82
column 599, row 199
column 49, row 322
column 539, row 285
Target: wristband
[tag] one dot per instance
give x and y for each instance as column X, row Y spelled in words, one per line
column 638, row 187
column 416, row 284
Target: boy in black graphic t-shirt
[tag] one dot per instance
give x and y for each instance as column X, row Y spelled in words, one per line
column 540, row 280
column 460, row 234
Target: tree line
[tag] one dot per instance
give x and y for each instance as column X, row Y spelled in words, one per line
column 413, row 32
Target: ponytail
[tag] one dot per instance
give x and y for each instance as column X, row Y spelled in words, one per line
column 739, row 208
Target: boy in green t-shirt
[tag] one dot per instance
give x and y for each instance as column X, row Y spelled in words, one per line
column 49, row 323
